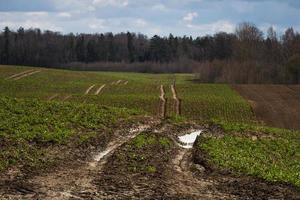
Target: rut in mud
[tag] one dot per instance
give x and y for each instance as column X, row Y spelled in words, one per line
column 142, row 162
column 100, row 89
column 75, row 181
column 177, row 102
column 163, row 102
column 89, row 89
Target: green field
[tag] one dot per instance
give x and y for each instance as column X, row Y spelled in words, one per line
column 199, row 101
column 30, row 122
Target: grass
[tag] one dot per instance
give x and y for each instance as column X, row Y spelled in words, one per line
column 274, row 158
column 26, row 126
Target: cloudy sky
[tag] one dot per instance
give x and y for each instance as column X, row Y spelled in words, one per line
column 180, row 17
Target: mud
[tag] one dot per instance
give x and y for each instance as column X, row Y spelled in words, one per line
column 116, row 166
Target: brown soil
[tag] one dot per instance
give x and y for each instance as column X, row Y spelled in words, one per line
column 163, row 104
column 276, row 105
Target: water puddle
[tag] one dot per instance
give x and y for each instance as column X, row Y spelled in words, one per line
column 187, row 140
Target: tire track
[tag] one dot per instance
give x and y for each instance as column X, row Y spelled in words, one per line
column 177, row 103
column 67, row 97
column 52, row 97
column 25, row 75
column 77, row 182
column 163, row 102
column 100, row 89
column 19, row 74
column 89, row 89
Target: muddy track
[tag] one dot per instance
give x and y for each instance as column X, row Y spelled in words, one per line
column 163, row 102
column 177, row 103
column 89, row 89
column 100, row 89
column 19, row 74
column 26, row 74
column 74, row 182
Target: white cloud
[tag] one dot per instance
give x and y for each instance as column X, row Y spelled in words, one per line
column 97, row 24
column 37, row 14
column 64, row 15
column 159, row 7
column 190, row 16
column 118, row 3
column 211, row 28
column 140, row 23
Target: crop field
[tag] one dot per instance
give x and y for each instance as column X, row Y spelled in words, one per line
column 72, row 134
column 129, row 90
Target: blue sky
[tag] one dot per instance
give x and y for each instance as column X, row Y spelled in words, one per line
column 179, row 17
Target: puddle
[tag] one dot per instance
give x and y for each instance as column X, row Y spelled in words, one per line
column 189, row 139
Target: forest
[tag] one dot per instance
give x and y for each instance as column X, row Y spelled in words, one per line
column 246, row 56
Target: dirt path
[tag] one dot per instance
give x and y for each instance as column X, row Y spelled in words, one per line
column 25, row 75
column 19, row 74
column 162, row 108
column 100, row 89
column 89, row 89
column 176, row 100
column 52, row 97
column 75, row 182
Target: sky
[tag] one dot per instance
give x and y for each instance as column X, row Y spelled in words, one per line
column 150, row 17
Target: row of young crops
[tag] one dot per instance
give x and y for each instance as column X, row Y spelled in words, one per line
column 141, row 92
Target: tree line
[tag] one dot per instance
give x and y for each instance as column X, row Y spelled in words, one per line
column 246, row 56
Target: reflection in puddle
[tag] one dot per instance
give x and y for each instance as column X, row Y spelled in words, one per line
column 189, row 139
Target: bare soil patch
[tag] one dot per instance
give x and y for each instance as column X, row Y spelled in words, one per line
column 276, row 105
